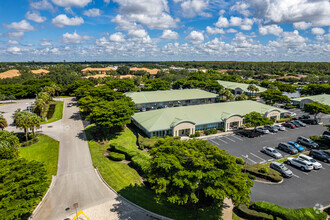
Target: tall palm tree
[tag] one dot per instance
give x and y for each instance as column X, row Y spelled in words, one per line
column 3, row 122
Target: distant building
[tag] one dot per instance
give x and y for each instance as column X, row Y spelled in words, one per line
column 240, row 88
column 98, row 70
column 323, row 99
column 10, row 74
column 171, row 98
column 152, row 72
column 184, row 121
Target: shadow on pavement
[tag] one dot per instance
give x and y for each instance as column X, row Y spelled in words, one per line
column 76, row 116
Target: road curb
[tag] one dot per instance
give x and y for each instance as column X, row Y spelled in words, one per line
column 148, row 213
column 270, row 183
column 36, row 210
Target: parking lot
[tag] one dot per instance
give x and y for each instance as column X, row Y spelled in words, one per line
column 304, row 188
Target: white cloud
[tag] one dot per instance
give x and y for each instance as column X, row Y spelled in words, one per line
column 302, row 25
column 71, row 3
column 212, row 31
column 15, row 35
column 222, row 22
column 243, row 23
column 195, row 37
column 191, row 8
column 169, row 34
column 21, row 26
column 106, row 1
column 45, row 42
column 41, row 5
column 231, row 30
column 154, row 14
column 12, row 42
column 74, row 38
column 117, row 37
column 270, row 29
column 291, row 40
column 318, row 31
column 93, row 12
column 35, row 16
column 280, row 11
column 14, row 50
column 141, row 33
column 62, row 20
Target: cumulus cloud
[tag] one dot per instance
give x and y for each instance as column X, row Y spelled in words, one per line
column 270, row 29
column 93, row 12
column 212, row 31
column 75, row 38
column 154, row 14
column 15, row 35
column 35, row 16
column 195, row 37
column 45, row 42
column 222, row 22
column 14, row 50
column 62, row 20
column 169, row 34
column 137, row 33
column 291, row 40
column 12, row 42
column 279, row 11
column 302, row 25
column 231, row 30
column 22, row 26
column 191, row 8
column 318, row 31
column 117, row 37
column 71, row 3
column 41, row 5
column 243, row 23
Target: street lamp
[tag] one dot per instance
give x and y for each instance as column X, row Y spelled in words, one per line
column 75, row 206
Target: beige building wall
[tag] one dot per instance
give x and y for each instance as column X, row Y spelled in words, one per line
column 183, row 126
column 232, row 119
column 275, row 114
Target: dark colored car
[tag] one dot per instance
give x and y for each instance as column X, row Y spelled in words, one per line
column 307, row 142
column 288, row 125
column 287, row 148
column 320, row 155
column 247, row 133
column 281, row 169
column 326, row 133
column 295, row 123
column 271, row 128
column 305, row 117
column 310, row 121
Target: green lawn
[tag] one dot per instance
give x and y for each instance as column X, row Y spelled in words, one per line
column 45, row 151
column 8, row 103
column 126, row 181
column 57, row 114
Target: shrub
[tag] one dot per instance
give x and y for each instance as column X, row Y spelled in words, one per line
column 51, row 110
column 271, row 174
column 210, row 131
column 197, row 134
column 116, row 156
column 263, row 170
column 252, row 177
column 146, row 142
column 286, row 213
column 247, row 213
column 30, row 142
column 239, row 160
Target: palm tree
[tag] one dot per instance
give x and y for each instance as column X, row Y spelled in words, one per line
column 35, row 123
column 250, row 88
column 3, row 122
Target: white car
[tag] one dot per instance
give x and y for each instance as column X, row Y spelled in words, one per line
column 262, row 130
column 302, row 164
column 271, row 152
column 280, row 127
column 316, row 164
column 292, row 114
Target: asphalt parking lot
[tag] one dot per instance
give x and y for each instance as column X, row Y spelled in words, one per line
column 304, row 189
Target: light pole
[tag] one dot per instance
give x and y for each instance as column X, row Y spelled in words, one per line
column 75, row 206
column 246, row 157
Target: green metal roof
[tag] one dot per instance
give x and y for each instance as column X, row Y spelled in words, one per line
column 169, row 95
column 324, row 99
column 162, row 119
column 234, row 85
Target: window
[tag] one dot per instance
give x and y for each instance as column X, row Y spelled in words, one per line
column 200, row 127
column 211, row 126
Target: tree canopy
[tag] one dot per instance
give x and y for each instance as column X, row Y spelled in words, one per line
column 122, row 85
column 315, row 108
column 9, row 144
column 3, row 122
column 256, row 119
column 27, row 120
column 195, row 172
column 274, row 96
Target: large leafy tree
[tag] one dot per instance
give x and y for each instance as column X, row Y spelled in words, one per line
column 256, row 119
column 122, row 85
column 26, row 120
column 196, row 172
column 315, row 108
column 123, row 70
column 274, row 96
column 156, row 84
column 22, row 185
column 9, row 144
column 3, row 122
column 241, row 97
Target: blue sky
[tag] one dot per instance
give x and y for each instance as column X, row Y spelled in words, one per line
column 156, row 30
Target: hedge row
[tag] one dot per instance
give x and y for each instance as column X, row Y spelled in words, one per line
column 116, row 156
column 288, row 214
column 139, row 158
column 147, row 142
column 30, row 142
column 259, row 169
column 51, row 110
column 245, row 212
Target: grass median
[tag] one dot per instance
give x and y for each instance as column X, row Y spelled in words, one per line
column 58, row 113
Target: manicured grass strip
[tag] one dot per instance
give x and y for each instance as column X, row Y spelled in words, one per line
column 45, row 151
column 8, row 103
column 57, row 114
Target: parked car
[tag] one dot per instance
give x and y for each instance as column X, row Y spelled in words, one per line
column 302, row 124
column 262, row 130
column 247, row 133
column 310, row 121
column 271, row 128
column 326, row 133
column 292, row 114
column 320, row 155
column 302, row 164
column 271, row 152
column 305, row 117
column 316, row 164
column 307, row 142
column 288, row 125
column 295, row 123
column 281, row 169
column 287, row 148
column 69, row 104
column 280, row 127
column 297, row 146
column 326, row 137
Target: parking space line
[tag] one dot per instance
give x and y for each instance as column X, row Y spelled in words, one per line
column 271, row 159
column 229, row 138
column 305, row 173
column 213, row 142
column 220, row 140
column 295, row 175
column 236, row 137
column 244, row 156
column 262, row 160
